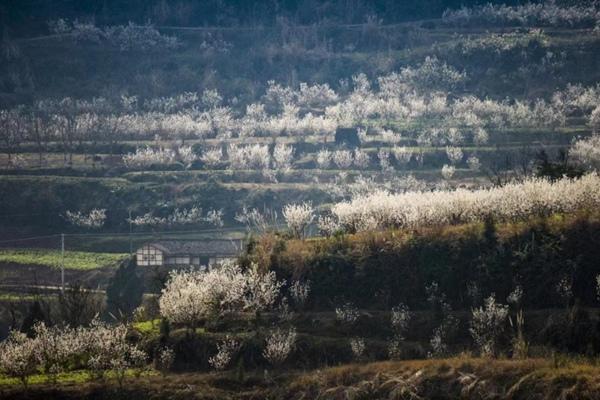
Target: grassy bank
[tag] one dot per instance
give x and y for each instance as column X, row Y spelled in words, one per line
column 462, row 377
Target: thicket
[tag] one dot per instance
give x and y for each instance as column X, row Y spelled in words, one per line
column 383, row 269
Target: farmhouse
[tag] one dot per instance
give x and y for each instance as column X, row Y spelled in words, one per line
column 184, row 253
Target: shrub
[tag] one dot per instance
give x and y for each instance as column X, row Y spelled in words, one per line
column 487, row 325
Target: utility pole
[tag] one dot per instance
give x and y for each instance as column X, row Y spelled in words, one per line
column 62, row 262
column 130, row 244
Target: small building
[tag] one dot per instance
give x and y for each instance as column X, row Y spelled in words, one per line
column 177, row 253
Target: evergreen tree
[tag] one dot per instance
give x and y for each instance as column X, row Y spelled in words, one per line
column 125, row 290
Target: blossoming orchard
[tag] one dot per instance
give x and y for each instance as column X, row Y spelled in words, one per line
column 300, row 200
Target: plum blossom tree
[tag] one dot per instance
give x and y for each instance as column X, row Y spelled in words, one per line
column 18, row 357
column 323, row 158
column 298, row 217
column 279, row 345
column 342, row 158
column 448, row 171
column 95, row 219
column 487, row 325
column 514, row 201
column 226, row 350
column 283, row 156
column 191, row 296
column 212, row 157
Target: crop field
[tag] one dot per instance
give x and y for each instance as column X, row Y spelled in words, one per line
column 76, row 260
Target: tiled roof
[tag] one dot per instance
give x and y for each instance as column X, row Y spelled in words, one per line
column 199, row 247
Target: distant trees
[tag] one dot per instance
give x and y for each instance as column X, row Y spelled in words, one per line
column 124, row 37
column 530, row 14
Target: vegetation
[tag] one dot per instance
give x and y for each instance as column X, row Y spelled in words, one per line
column 418, row 199
column 53, row 258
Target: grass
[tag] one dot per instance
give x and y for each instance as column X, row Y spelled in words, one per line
column 147, row 327
column 459, row 377
column 70, row 377
column 76, row 260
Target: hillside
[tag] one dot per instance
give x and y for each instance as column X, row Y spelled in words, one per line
column 413, row 190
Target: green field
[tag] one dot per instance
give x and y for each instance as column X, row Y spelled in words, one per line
column 76, row 260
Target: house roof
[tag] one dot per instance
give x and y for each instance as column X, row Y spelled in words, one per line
column 198, row 247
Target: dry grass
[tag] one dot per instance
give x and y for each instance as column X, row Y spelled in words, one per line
column 460, row 377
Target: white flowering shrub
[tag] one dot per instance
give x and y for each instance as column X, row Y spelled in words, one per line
column 474, row 163
column 191, row 296
column 586, row 152
column 298, row 217
column 254, row 156
column 299, row 292
column 164, row 360
column 402, row 155
column 187, row 155
column 454, row 154
column 279, row 345
column 384, row 160
column 226, row 350
column 145, row 157
column 358, row 347
column 564, row 289
column 283, row 156
column 327, row 225
column 347, row 314
column 388, row 136
column 257, row 220
column 514, row 298
column 400, row 319
column 94, row 219
column 487, row 326
column 316, row 96
column 448, row 171
column 212, row 157
column 343, row 159
column 323, row 158
column 361, row 159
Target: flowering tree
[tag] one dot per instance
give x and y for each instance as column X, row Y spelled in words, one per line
column 94, row 219
column 299, row 292
column 448, row 171
column 298, row 217
column 212, row 157
column 358, row 347
column 455, row 154
column 323, row 158
column 586, row 152
column 279, row 345
column 283, row 157
column 487, row 326
column 191, row 296
column 226, row 350
column 18, row 357
column 347, row 314
column 514, row 201
column 342, row 158
column 400, row 319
